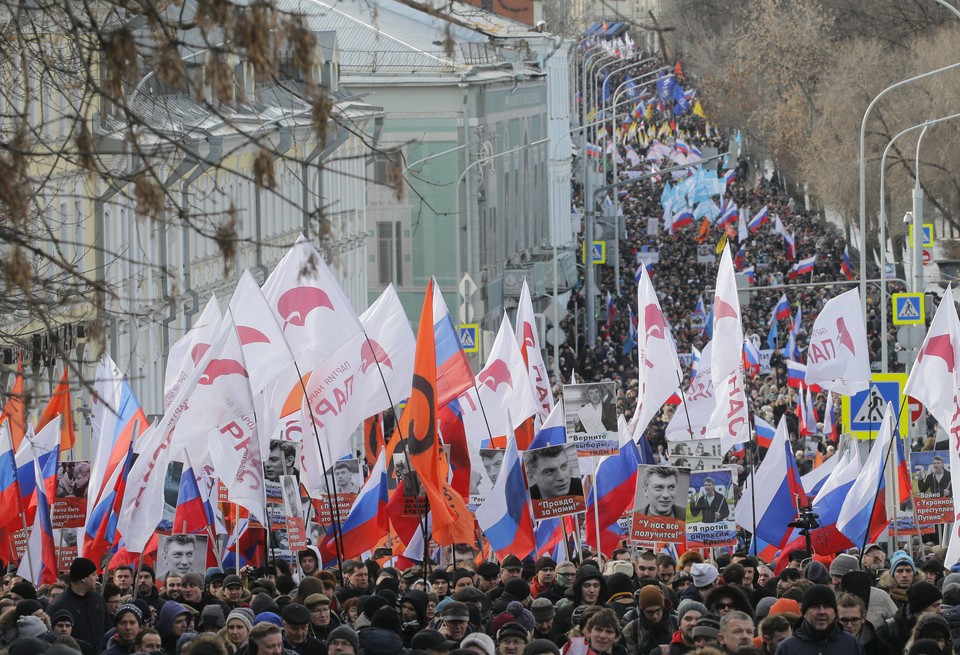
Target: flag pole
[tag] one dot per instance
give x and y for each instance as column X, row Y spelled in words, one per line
column 883, row 471
column 421, row 516
column 236, row 543
column 596, row 504
column 683, row 401
column 23, row 510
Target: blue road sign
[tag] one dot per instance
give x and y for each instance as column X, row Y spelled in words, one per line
column 863, row 411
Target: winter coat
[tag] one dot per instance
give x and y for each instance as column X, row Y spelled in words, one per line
column 807, row 641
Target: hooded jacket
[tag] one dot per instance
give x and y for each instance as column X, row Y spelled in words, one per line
column 564, row 614
column 168, row 613
column 379, row 641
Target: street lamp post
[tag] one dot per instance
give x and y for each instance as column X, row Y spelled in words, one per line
column 863, row 172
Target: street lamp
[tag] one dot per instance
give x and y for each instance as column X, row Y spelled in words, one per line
column 863, row 173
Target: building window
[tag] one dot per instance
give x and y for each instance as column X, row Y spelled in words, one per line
column 389, row 253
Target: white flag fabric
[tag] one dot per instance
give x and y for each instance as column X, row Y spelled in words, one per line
column 658, row 370
column 935, row 382
column 529, row 342
column 502, row 388
column 730, row 419
column 142, row 506
column 186, row 352
column 837, row 354
column 264, row 345
column 742, row 233
column 864, row 508
column 698, row 403
column 349, row 386
column 310, row 305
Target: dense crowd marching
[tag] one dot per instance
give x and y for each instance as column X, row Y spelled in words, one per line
column 634, row 602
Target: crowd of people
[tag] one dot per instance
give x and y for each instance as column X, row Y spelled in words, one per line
column 680, row 281
column 633, row 603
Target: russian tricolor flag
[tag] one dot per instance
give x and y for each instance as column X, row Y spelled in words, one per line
column 759, row 219
column 454, row 375
column 553, row 432
column 9, row 491
column 764, row 431
column 550, row 536
column 829, row 501
column 796, row 374
column 751, row 273
column 803, row 267
column 751, row 357
column 790, row 245
column 505, row 516
column 367, row 523
column 684, row 218
column 781, row 310
column 731, row 214
column 193, row 513
column 740, row 257
column 611, row 496
column 863, row 516
column 777, row 491
column 845, row 266
column 39, row 564
column 729, row 176
column 611, row 310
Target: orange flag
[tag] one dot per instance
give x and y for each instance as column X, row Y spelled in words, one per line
column 703, row 231
column 15, row 410
column 59, row 405
column 373, row 438
column 452, row 522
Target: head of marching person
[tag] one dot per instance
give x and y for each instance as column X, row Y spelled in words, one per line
column 511, row 568
column 127, row 622
column 820, row 627
column 432, row 642
column 512, row 638
column 602, row 630
column 309, row 559
column 455, row 619
column 296, row 625
column 874, row 560
column 123, row 578
column 773, row 630
column 851, row 614
column 736, row 632
column 356, row 580
column 545, row 575
column 898, row 579
column 688, row 613
column 89, row 611
column 488, row 576
column 343, row 641
column 265, row 639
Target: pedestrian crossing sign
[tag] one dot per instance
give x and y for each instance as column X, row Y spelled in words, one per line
column 908, row 309
column 469, row 340
column 863, row 412
column 927, row 231
column 599, row 252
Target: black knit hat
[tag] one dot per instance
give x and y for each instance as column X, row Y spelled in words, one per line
column 81, row 568
column 921, row 595
column 818, row 594
column 25, row 590
column 517, row 588
column 544, row 563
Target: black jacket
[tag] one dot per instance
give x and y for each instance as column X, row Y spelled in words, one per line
column 89, row 614
column 807, row 641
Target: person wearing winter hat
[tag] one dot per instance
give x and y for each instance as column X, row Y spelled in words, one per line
column 707, row 631
column 512, row 638
column 588, row 589
column 653, row 626
column 86, row 606
column 543, row 614
column 23, row 590
column 688, row 613
column 817, row 573
column 935, row 627
column 541, row 647
column 546, row 569
column 619, row 592
column 343, row 641
column 727, row 598
column 238, row 626
column 211, row 619
column 922, row 597
column 840, row 566
column 172, row 622
column 819, row 632
column 127, row 623
column 898, row 579
column 705, row 577
column 455, row 618
column 479, row 643
column 927, row 647
column 296, row 630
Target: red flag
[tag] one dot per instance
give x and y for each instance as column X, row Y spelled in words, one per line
column 452, row 522
column 15, row 411
column 59, row 405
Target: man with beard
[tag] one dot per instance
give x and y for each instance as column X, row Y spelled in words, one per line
column 147, row 590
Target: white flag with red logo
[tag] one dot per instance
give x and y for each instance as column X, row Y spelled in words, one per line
column 659, row 367
column 935, row 382
column 691, row 417
column 529, row 341
column 837, row 357
column 187, row 351
column 730, row 418
column 265, row 347
column 311, row 307
column 502, row 387
column 368, row 374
